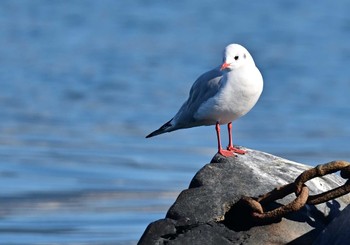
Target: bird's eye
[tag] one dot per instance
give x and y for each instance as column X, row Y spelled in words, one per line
column 236, row 57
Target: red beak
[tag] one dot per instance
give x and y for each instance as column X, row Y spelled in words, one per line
column 224, row 66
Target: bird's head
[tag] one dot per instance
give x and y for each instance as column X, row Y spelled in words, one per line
column 236, row 56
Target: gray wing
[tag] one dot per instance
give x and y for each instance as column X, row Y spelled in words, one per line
column 204, row 88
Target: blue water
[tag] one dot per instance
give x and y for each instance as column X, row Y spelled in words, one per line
column 82, row 83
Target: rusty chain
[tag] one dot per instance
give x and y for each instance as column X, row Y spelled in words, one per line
column 301, row 191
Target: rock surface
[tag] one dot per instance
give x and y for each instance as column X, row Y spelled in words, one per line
column 337, row 232
column 208, row 212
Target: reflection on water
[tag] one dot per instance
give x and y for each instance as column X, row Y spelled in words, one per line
column 84, row 82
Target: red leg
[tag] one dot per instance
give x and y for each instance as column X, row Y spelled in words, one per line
column 226, row 153
column 230, row 146
column 229, row 129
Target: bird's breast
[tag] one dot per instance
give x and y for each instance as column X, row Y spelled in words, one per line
column 237, row 96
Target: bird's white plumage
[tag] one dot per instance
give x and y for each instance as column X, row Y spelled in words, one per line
column 220, row 95
column 239, row 90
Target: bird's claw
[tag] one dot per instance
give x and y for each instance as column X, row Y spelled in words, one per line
column 236, row 150
column 226, row 153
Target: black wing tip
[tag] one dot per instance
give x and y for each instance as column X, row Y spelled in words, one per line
column 154, row 133
column 150, row 135
column 161, row 130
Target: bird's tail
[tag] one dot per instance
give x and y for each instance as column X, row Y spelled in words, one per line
column 163, row 129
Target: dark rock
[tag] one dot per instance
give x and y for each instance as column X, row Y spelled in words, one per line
column 209, row 212
column 338, row 231
column 159, row 231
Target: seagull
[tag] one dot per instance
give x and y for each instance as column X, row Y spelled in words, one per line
column 220, row 96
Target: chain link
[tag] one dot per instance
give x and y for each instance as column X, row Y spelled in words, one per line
column 301, row 191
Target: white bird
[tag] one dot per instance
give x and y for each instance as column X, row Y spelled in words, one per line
column 220, row 96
